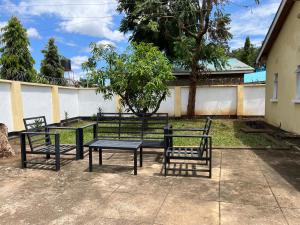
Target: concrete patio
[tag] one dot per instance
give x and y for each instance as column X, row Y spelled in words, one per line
column 248, row 187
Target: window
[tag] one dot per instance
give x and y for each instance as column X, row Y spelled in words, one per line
column 298, row 83
column 275, row 87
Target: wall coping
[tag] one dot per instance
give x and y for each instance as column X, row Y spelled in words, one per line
column 81, row 88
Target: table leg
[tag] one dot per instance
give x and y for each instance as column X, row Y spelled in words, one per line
column 100, row 156
column 135, row 162
column 141, row 157
column 90, row 159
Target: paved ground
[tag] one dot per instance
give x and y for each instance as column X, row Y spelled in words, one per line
column 248, row 187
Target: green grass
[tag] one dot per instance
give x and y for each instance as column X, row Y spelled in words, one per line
column 225, row 133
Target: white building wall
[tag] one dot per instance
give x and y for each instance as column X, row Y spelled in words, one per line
column 68, row 102
column 5, row 106
column 37, row 101
column 254, row 100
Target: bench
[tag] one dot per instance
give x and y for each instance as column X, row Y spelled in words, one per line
column 127, row 126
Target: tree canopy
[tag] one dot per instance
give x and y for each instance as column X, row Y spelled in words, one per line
column 192, row 33
column 16, row 62
column 50, row 65
column 139, row 75
column 247, row 54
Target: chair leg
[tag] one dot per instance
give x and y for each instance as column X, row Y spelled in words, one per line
column 166, row 161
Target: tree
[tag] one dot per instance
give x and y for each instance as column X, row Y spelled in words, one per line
column 139, row 76
column 16, row 62
column 50, row 65
column 193, row 33
column 247, row 54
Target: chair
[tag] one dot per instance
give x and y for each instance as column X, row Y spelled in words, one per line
column 203, row 152
column 41, row 142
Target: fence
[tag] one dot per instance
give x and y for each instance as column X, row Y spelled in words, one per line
column 20, row 99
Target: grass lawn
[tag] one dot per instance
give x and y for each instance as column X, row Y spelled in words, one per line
column 225, row 133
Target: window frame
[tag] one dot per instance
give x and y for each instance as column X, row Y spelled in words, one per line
column 275, row 88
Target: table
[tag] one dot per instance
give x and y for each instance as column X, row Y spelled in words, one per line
column 117, row 145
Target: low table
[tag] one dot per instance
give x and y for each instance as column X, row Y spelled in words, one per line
column 118, row 145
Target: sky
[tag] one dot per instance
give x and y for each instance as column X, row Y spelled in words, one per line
column 76, row 23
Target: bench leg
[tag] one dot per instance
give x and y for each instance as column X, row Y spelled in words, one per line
column 100, row 156
column 47, row 156
column 135, row 162
column 90, row 159
column 141, row 157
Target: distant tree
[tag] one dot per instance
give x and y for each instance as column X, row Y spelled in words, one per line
column 139, row 76
column 16, row 62
column 50, row 65
column 192, row 33
column 247, row 54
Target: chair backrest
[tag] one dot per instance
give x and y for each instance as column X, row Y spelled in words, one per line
column 206, row 131
column 36, row 124
column 131, row 127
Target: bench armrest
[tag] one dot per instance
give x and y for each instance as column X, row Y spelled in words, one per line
column 186, row 136
column 62, row 128
column 187, row 129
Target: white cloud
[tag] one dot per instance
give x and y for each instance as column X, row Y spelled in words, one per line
column 33, row 33
column 106, row 42
column 2, row 24
column 94, row 18
column 77, row 61
column 253, row 22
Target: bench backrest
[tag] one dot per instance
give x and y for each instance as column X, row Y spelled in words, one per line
column 36, row 124
column 128, row 126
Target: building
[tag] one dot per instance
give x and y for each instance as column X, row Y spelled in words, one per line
column 256, row 77
column 281, row 54
column 232, row 73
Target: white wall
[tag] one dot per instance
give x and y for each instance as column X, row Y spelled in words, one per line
column 167, row 106
column 89, row 101
column 211, row 100
column 37, row 100
column 5, row 106
column 68, row 102
column 254, row 100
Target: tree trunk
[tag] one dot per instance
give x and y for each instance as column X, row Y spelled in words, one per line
column 192, row 90
column 5, row 148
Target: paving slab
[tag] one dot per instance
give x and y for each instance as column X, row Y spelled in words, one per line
column 188, row 209
column 236, row 214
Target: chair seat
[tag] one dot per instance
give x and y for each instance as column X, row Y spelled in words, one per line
column 184, row 153
column 153, row 144
column 50, row 149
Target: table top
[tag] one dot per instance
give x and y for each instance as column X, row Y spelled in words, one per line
column 116, row 144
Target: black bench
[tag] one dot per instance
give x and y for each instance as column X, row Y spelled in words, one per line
column 127, row 126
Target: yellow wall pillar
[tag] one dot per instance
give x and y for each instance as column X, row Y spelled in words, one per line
column 118, row 106
column 55, row 105
column 17, row 106
column 177, row 103
column 240, row 100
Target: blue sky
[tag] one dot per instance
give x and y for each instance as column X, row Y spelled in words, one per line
column 76, row 23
